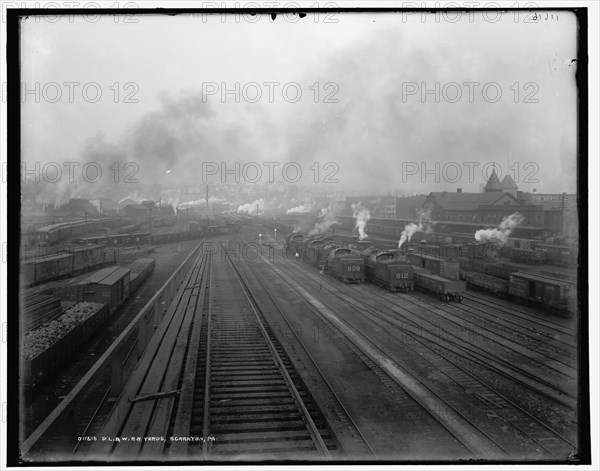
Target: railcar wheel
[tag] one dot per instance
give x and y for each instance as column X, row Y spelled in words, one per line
column 446, row 298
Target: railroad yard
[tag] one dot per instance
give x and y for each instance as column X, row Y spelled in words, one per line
column 237, row 348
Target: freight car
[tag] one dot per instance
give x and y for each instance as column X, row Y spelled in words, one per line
column 65, row 263
column 438, row 266
column 384, row 269
column 557, row 295
column 446, row 289
column 497, row 286
column 480, row 250
column 343, row 264
column 531, row 257
column 557, row 254
column 55, row 233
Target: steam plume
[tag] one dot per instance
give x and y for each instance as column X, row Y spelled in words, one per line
column 252, row 208
column 362, row 216
column 501, row 233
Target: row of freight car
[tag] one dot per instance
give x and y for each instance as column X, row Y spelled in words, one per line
column 47, row 346
column 62, row 264
column 403, row 270
column 536, row 254
column 56, row 233
column 556, row 295
column 357, row 263
column 144, row 238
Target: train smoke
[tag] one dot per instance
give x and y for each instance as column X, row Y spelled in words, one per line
column 329, row 215
column 252, row 208
column 408, row 232
column 362, row 216
column 423, row 225
column 302, row 209
column 202, row 202
column 501, row 233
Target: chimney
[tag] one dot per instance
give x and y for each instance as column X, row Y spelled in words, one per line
column 459, row 190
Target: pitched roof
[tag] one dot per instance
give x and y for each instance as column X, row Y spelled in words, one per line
column 493, row 184
column 465, row 201
column 508, row 183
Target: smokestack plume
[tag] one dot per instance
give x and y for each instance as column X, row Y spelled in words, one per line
column 361, row 215
column 501, row 233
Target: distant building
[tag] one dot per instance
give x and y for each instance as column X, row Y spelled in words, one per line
column 134, row 210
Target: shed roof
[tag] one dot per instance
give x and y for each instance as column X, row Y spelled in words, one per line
column 106, row 276
column 466, row 201
column 115, row 276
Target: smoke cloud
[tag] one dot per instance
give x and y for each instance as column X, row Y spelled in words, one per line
column 411, row 229
column 302, row 209
column 500, row 234
column 361, row 216
column 329, row 215
column 252, row 208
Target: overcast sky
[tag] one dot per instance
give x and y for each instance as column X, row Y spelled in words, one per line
column 374, row 124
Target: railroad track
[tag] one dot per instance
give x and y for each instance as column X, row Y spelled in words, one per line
column 215, row 386
column 246, row 399
column 522, row 355
column 539, row 340
column 530, row 318
column 537, row 437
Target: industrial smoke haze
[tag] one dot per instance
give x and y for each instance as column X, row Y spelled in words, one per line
column 361, row 215
column 252, row 208
column 501, row 233
column 329, row 215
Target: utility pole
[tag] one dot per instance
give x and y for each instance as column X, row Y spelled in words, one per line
column 150, row 233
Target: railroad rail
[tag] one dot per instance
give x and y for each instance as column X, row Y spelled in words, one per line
column 540, row 437
column 216, row 385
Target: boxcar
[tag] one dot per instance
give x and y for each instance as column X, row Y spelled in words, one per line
column 489, row 283
column 558, row 295
column 558, row 254
column 446, row 289
column 532, row 257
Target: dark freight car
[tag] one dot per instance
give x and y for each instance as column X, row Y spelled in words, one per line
column 497, row 286
column 558, row 295
column 444, row 288
column 531, row 257
column 558, row 254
